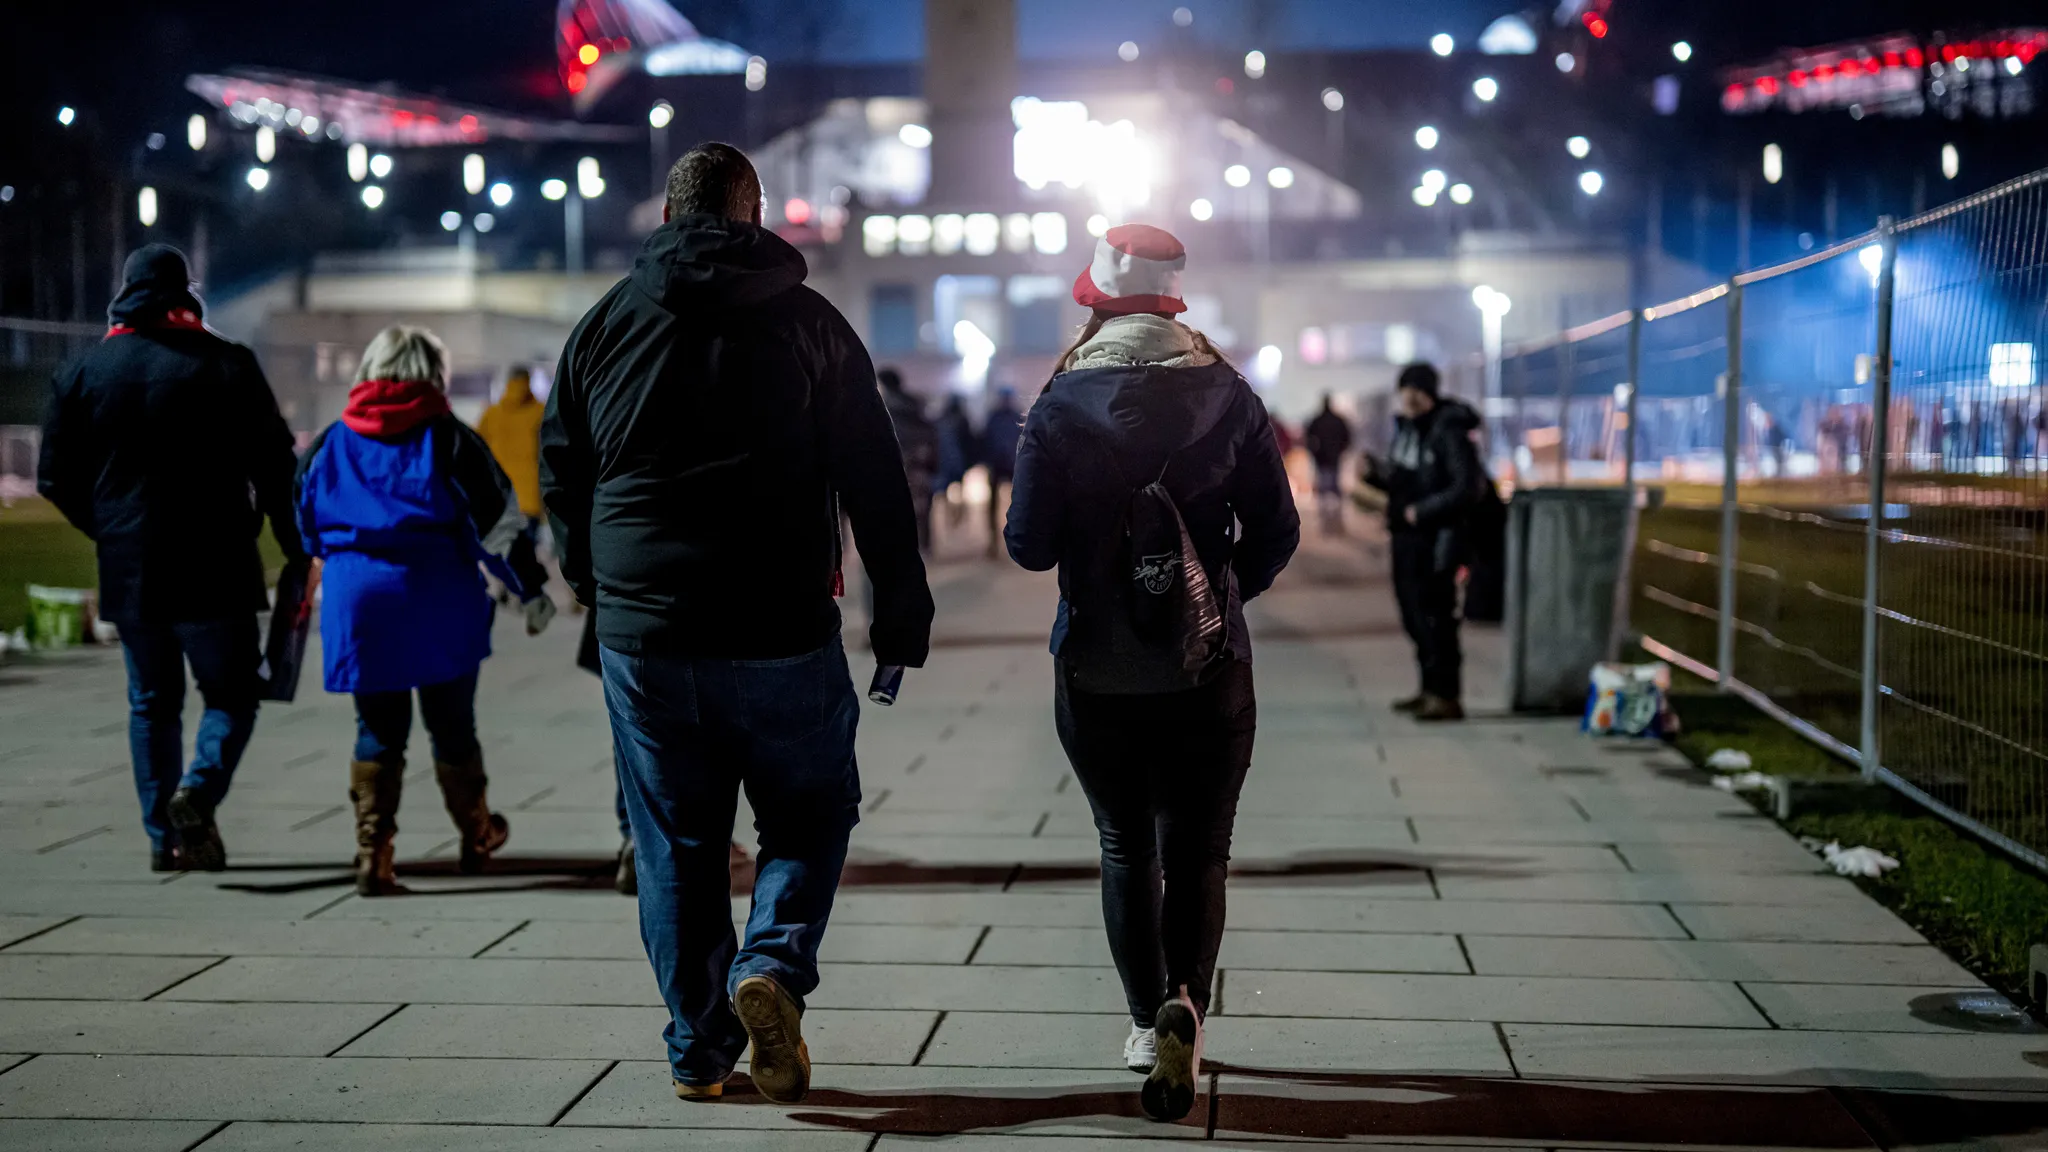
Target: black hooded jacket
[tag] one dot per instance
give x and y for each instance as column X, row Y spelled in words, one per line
column 1434, row 468
column 710, row 419
column 164, row 444
column 1098, row 434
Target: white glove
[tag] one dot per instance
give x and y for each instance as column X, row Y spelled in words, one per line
column 539, row 611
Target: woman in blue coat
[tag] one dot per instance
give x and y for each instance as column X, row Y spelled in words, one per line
column 400, row 501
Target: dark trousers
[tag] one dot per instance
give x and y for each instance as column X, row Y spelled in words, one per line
column 998, row 488
column 1162, row 774
column 1429, row 611
column 687, row 736
column 384, row 722
column 225, row 656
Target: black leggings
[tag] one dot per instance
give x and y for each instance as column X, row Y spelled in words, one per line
column 1163, row 774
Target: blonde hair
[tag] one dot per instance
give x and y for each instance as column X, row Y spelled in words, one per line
column 1096, row 319
column 407, row 354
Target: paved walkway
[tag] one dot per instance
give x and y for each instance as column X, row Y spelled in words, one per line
column 1499, row 934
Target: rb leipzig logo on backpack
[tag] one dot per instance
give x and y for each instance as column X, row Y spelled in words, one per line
column 1155, row 573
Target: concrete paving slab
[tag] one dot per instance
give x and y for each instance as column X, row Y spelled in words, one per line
column 844, row 943
column 1917, row 964
column 1396, row 1108
column 1695, row 887
column 225, row 936
column 14, row 929
column 1692, row 1003
column 926, row 1101
column 269, row 1137
column 1954, row 1006
column 103, row 1135
column 173, row 1028
column 1297, row 911
column 287, row 1088
column 25, row 976
column 978, row 1143
column 1848, row 922
column 1320, row 951
column 968, row 988
column 604, row 1033
column 416, row 980
column 1971, row 1061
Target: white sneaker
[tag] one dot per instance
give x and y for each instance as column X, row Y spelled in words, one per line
column 1141, row 1049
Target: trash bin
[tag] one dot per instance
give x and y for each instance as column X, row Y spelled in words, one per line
column 60, row 617
column 1565, row 556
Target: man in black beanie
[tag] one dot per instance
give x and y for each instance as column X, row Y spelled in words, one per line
column 164, row 444
column 1432, row 477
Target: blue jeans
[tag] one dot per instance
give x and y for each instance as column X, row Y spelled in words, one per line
column 688, row 735
column 384, row 722
column 225, row 657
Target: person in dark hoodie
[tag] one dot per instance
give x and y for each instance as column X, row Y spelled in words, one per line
column 164, row 445
column 918, row 438
column 401, row 500
column 711, row 418
column 1141, row 398
column 1433, row 479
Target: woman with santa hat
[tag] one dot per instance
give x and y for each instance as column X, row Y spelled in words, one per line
column 1149, row 476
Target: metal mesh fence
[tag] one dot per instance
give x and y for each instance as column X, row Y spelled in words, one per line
column 1847, row 520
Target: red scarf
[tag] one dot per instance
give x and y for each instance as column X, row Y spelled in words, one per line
column 392, row 408
column 181, row 318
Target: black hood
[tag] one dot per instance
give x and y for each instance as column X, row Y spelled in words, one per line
column 154, row 281
column 1147, row 409
column 707, row 261
column 1455, row 415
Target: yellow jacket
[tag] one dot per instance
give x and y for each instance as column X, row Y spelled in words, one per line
column 512, row 428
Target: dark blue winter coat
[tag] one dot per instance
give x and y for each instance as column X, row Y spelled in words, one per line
column 1097, row 434
column 402, row 522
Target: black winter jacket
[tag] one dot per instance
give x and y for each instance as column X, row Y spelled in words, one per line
column 1098, row 434
column 705, row 415
column 1434, row 468
column 164, row 444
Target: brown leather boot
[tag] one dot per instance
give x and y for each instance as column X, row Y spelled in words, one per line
column 374, row 786
column 1436, row 709
column 482, row 830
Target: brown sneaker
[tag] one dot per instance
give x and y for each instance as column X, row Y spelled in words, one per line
column 1436, row 708
column 781, row 1067
column 1410, row 704
column 712, row 1091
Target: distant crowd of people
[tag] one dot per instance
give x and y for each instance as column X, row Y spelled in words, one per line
column 712, row 424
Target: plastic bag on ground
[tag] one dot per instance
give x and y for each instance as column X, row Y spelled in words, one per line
column 1728, row 760
column 1629, row 700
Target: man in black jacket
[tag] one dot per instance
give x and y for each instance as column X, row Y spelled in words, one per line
column 1328, row 438
column 157, row 439
column 710, row 418
column 1432, row 478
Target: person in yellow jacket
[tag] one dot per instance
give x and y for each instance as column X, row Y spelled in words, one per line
column 512, row 429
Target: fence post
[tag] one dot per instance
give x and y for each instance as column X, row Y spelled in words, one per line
column 1874, row 454
column 1731, row 444
column 1635, row 388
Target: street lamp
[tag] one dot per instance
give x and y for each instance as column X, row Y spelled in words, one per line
column 373, row 197
column 1442, row 44
column 195, row 131
column 473, row 173
column 1590, row 182
column 358, row 162
column 1333, row 100
column 1579, row 147
column 266, row 144
column 658, row 118
column 589, row 186
column 659, row 115
column 501, row 194
column 380, row 165
column 1255, row 64
column 553, row 189
column 1681, row 51
column 1492, row 305
column 1486, row 88
column 258, row 178
column 1774, row 163
column 1426, row 137
column 66, row 115
column 145, row 206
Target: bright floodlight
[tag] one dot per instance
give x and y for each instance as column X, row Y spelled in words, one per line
column 1333, row 100
column 1282, row 177
column 1590, row 182
column 66, row 115
column 2014, row 65
column 1579, row 147
column 380, row 165
column 1774, row 163
column 1255, row 63
column 1461, row 193
column 1681, row 51
column 1566, row 62
column 1486, row 88
column 589, row 183
column 1266, row 364
column 1201, row 209
column 915, row 135
column 266, row 144
column 1435, row 180
column 1424, row 195
column 1491, row 302
column 484, row 222
column 1182, row 17
column 1442, row 44
column 1426, row 137
column 145, row 206
column 1237, row 176
column 1871, row 256
column 473, row 173
column 553, row 189
column 1951, row 161
column 258, row 178
column 501, row 194
column 450, row 221
column 659, row 115
column 195, row 131
column 1098, row 224
column 358, row 163
column 1127, row 51
column 373, row 197
column 757, row 73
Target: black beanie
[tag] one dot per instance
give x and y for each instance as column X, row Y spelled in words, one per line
column 1421, row 377
column 156, row 264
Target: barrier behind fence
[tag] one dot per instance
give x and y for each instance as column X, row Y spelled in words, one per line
column 1852, row 456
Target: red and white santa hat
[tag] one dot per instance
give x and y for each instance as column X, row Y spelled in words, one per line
column 1136, row 269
